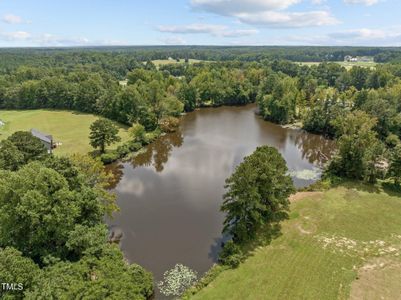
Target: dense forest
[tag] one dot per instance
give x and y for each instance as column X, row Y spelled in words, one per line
column 61, row 201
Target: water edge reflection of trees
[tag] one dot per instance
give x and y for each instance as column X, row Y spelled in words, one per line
column 157, row 153
column 315, row 148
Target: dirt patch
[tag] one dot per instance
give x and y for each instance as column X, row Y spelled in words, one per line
column 301, row 195
column 379, row 278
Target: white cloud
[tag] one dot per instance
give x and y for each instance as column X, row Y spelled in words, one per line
column 215, row 30
column 230, row 7
column 352, row 37
column 267, row 12
column 14, row 36
column 192, row 28
column 364, row 2
column 13, row 19
column 366, row 34
column 289, row 19
column 53, row 40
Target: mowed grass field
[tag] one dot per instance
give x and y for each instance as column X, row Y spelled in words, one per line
column 69, row 128
column 161, row 62
column 347, row 65
column 341, row 244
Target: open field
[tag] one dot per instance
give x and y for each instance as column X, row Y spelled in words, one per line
column 347, row 65
column 341, row 244
column 69, row 128
column 161, row 62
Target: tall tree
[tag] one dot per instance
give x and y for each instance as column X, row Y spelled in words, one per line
column 103, row 133
column 358, row 146
column 30, row 146
column 257, row 195
column 395, row 165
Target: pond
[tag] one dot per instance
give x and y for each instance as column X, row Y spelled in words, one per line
column 170, row 195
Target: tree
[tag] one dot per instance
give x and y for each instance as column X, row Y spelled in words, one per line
column 30, row 146
column 14, row 268
column 257, row 195
column 39, row 210
column 108, row 276
column 395, row 165
column 137, row 133
column 359, row 149
column 10, row 157
column 103, row 133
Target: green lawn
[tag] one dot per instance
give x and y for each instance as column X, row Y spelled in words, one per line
column 161, row 62
column 347, row 65
column 341, row 244
column 69, row 128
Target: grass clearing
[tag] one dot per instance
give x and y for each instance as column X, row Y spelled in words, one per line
column 67, row 127
column 334, row 246
column 347, row 65
column 162, row 62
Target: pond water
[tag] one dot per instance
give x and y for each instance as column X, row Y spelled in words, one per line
column 170, row 195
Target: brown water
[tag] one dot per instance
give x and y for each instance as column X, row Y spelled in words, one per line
column 170, row 195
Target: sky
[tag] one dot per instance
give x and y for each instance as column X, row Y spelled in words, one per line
column 39, row 23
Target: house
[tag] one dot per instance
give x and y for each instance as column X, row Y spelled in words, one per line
column 47, row 140
column 350, row 58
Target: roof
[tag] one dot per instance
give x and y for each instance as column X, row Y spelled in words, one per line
column 42, row 136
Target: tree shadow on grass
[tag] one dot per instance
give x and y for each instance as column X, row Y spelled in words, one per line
column 392, row 189
column 361, row 186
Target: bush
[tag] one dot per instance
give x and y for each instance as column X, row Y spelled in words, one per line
column 169, row 124
column 109, row 157
column 231, row 255
column 123, row 150
column 392, row 140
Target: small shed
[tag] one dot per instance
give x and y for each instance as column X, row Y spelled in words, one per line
column 46, row 139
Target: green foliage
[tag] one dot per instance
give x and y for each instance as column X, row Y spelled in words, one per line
column 137, row 132
column 14, row 268
column 395, row 165
column 103, row 133
column 169, row 124
column 42, row 209
column 10, row 157
column 359, row 150
column 257, row 195
column 28, row 145
column 207, row 278
column 280, row 105
column 93, row 278
column 231, row 255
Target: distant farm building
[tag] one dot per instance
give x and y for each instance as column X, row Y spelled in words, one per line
column 46, row 139
column 350, row 58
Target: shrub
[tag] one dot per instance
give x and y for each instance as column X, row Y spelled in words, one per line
column 169, row 124
column 109, row 157
column 231, row 255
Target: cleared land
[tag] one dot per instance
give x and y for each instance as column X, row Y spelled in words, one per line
column 341, row 244
column 347, row 65
column 161, row 62
column 69, row 128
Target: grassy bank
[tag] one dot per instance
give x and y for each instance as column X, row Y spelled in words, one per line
column 340, row 244
column 69, row 128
